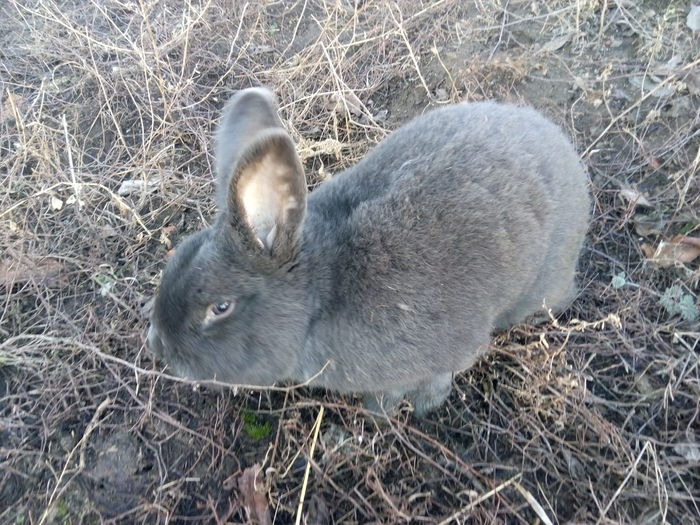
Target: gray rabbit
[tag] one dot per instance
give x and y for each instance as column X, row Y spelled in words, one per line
column 389, row 277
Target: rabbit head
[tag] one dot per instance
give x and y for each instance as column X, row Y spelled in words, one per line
column 230, row 305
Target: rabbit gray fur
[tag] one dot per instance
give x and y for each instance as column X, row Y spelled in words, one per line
column 393, row 273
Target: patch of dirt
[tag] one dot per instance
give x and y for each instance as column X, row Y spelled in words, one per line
column 112, row 481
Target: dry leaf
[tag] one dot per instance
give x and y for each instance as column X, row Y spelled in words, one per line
column 689, row 449
column 680, row 249
column 43, row 271
column 687, row 240
column 257, row 49
column 645, row 225
column 146, row 310
column 668, row 68
column 381, row 115
column 693, row 19
column 652, row 86
column 73, row 199
column 56, row 203
column 130, row 186
column 317, row 513
column 692, row 80
column 648, row 250
column 347, row 104
column 254, row 501
column 165, row 236
column 106, row 231
column 554, row 44
column 442, row 94
column 635, row 197
column 12, row 102
column 680, row 106
column 654, row 163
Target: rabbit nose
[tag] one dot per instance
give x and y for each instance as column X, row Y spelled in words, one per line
column 153, row 341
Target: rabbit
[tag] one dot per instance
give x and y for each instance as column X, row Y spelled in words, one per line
column 389, row 277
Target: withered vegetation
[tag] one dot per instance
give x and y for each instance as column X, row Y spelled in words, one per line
column 106, row 114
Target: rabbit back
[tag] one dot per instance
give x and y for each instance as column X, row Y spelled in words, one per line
column 467, row 219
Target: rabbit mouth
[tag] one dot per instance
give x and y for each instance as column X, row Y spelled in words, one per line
column 165, row 353
column 157, row 347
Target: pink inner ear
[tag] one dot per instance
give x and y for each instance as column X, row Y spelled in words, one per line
column 266, row 198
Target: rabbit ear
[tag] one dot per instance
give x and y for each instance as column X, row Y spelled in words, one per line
column 267, row 194
column 261, row 186
column 248, row 113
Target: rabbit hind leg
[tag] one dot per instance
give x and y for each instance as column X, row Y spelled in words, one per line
column 424, row 396
column 383, row 403
column 431, row 393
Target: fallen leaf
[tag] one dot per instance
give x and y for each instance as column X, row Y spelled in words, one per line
column 442, row 94
column 668, row 68
column 254, row 501
column 693, row 19
column 681, row 106
column 164, row 236
column 73, row 199
column 680, row 249
column 129, row 186
column 145, row 311
column 23, row 269
column 554, row 44
column 260, row 48
column 690, row 451
column 56, row 203
column 106, row 231
column 634, row 197
column 381, row 115
column 619, row 280
column 12, row 102
column 648, row 84
column 317, row 513
column 346, row 104
column 692, row 80
column 654, row 163
column 648, row 250
column 645, row 225
column 685, row 239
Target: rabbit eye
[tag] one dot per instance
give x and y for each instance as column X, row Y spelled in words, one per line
column 218, row 311
column 220, row 308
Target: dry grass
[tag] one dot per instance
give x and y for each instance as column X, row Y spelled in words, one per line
column 589, row 418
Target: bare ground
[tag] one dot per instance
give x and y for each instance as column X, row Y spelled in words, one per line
column 106, row 113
